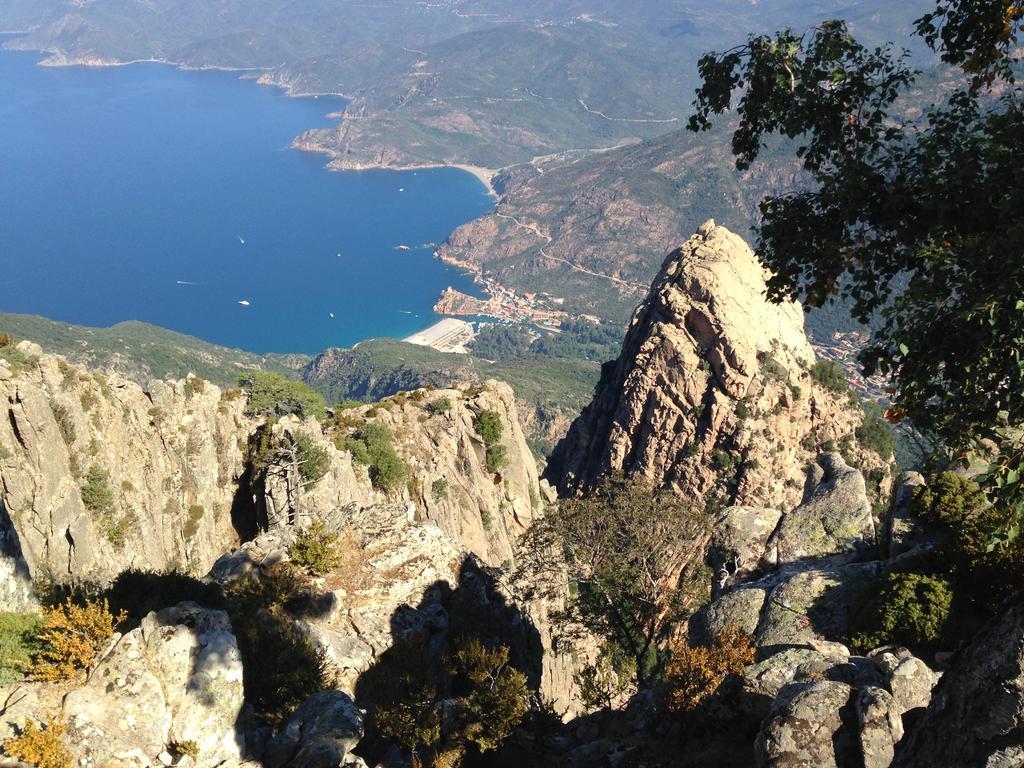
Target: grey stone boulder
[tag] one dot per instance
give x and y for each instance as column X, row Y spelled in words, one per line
column 738, row 542
column 740, row 607
column 833, row 520
column 175, row 678
column 903, row 529
column 908, row 678
column 764, row 681
column 320, row 734
column 813, row 605
column 809, row 728
column 881, row 727
column 976, row 715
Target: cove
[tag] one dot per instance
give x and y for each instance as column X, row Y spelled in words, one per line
column 150, row 193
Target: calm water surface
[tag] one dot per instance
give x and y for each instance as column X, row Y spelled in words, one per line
column 126, row 194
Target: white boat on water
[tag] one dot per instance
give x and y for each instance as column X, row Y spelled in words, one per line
column 244, row 302
column 241, row 240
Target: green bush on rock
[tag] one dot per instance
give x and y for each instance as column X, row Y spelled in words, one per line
column 371, row 446
column 911, row 609
column 271, row 394
column 317, row 549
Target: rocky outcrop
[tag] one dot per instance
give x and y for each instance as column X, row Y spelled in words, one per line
column 177, row 678
column 320, row 734
column 793, row 580
column 98, row 474
column 403, row 578
column 448, row 482
column 712, row 393
column 160, row 464
column 976, row 717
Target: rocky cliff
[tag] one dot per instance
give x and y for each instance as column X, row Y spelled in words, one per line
column 98, row 474
column 713, row 393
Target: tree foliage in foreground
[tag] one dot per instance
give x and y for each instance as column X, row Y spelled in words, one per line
column 920, row 219
column 634, row 558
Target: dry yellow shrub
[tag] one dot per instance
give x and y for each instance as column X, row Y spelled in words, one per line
column 41, row 747
column 696, row 673
column 71, row 637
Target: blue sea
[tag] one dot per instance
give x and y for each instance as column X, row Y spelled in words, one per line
column 150, row 193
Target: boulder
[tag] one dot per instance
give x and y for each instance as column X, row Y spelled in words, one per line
column 903, row 529
column 908, row 678
column 835, row 519
column 812, row 604
column 740, row 536
column 880, row 726
column 176, row 678
column 320, row 734
column 740, row 607
column 809, row 728
column 976, row 715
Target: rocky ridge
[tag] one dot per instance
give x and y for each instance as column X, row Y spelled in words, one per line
column 417, row 561
column 712, row 394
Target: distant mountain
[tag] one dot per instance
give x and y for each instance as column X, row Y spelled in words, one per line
column 485, row 82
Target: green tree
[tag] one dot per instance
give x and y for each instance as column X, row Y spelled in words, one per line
column 916, row 218
column 635, row 557
column 371, row 446
column 313, row 460
column 271, row 394
column 488, row 425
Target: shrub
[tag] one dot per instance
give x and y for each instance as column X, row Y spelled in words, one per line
column 41, row 747
column 18, row 643
column 401, row 696
column 271, row 394
column 195, row 516
column 694, row 674
column 772, row 369
column 388, row 471
column 135, row 593
column 97, row 495
column 65, row 423
column 371, row 446
column 911, row 609
column 493, row 696
column 439, row 488
column 7, row 340
column 497, row 458
column 441, row 405
column 281, row 668
column 194, row 386
column 313, row 460
column 71, row 637
column 827, row 374
column 874, row 432
column 317, row 549
column 488, row 425
column 16, row 359
column 188, row 748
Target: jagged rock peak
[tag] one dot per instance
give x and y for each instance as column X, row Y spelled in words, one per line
column 711, row 393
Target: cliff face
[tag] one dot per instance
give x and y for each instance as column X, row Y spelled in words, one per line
column 448, row 483
column 712, row 393
column 97, row 475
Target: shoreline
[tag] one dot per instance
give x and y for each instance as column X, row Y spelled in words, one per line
column 483, row 175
